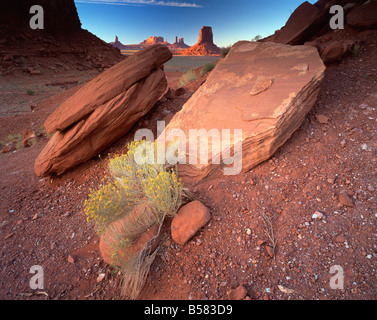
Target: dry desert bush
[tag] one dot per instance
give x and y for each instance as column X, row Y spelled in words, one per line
column 138, row 195
column 187, row 77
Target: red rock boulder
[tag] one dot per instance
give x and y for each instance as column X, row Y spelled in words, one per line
column 108, row 85
column 333, row 51
column 364, row 16
column 300, row 20
column 238, row 293
column 257, row 96
column 153, row 40
column 188, row 221
column 310, row 20
column 112, row 242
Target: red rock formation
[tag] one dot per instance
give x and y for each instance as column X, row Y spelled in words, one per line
column 178, row 44
column 334, row 50
column 103, row 110
column 60, row 16
column 264, row 89
column 153, row 40
column 116, row 233
column 106, row 86
column 298, row 22
column 205, row 45
column 118, row 44
column 188, row 221
column 62, row 45
column 364, row 16
column 148, row 42
column 205, row 35
column 310, row 20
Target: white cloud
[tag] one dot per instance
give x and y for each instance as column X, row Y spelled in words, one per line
column 143, row 2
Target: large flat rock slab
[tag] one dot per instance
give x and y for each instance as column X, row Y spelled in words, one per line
column 264, row 89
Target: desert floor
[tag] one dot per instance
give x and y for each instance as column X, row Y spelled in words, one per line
column 42, row 220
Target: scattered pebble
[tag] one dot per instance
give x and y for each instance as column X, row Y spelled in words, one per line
column 322, row 119
column 345, row 200
column 237, row 294
column 101, row 277
column 270, row 251
column 340, row 238
column 285, row 290
column 317, row 215
column 9, row 236
column 70, row 259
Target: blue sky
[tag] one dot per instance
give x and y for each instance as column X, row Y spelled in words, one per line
column 231, row 20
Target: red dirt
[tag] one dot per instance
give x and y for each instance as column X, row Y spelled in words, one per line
column 42, row 220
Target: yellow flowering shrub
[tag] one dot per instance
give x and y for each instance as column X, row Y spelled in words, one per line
column 107, row 204
column 164, row 193
column 132, row 183
column 139, row 194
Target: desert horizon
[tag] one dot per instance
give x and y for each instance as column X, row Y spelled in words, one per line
column 136, row 21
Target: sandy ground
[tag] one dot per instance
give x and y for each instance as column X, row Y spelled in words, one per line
column 42, row 220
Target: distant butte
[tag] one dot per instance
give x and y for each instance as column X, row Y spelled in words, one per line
column 118, row 44
column 153, row 40
column 205, row 45
column 146, row 43
column 179, row 44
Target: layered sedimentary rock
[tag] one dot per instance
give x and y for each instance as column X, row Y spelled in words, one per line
column 188, row 221
column 111, row 248
column 205, row 45
column 118, row 44
column 309, row 20
column 146, row 43
column 103, row 110
column 178, row 44
column 364, row 16
column 106, row 86
column 60, row 16
column 205, row 35
column 333, row 51
column 265, row 90
column 62, row 45
column 153, row 40
column 298, row 23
